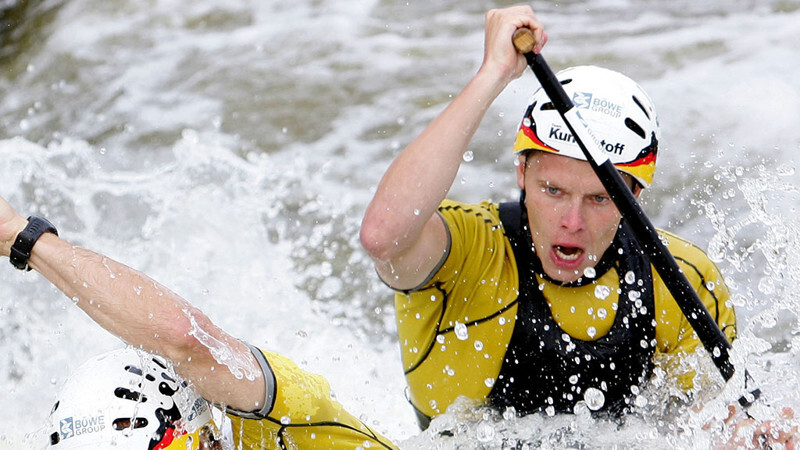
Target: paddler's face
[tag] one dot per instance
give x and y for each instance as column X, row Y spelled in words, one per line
column 572, row 219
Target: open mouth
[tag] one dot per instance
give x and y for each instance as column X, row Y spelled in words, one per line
column 567, row 253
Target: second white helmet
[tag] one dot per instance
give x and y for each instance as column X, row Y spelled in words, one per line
column 128, row 399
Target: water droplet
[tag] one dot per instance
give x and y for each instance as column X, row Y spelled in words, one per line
column 640, row 401
column 644, row 343
column 440, row 338
column 589, row 272
column 594, row 398
column 478, row 345
column 286, row 420
column 591, row 331
column 710, row 285
column 602, row 313
column 630, row 278
column 573, row 379
column 489, row 382
column 468, row 156
column 602, row 291
column 485, row 432
column 461, row 331
column 565, row 337
column 550, row 411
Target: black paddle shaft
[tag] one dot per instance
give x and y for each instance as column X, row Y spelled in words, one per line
column 689, row 302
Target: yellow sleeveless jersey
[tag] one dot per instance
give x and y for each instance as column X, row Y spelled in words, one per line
column 454, row 329
column 303, row 416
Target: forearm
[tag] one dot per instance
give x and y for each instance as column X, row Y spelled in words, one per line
column 147, row 315
column 420, row 177
column 120, row 299
column 418, row 180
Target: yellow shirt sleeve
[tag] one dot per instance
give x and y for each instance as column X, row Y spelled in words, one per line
column 454, row 330
column 303, row 416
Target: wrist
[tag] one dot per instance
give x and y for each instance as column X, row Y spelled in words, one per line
column 491, row 82
column 20, row 251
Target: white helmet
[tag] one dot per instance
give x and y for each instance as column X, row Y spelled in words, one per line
column 617, row 110
column 128, row 399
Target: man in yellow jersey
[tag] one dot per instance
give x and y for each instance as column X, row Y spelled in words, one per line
column 549, row 301
column 271, row 402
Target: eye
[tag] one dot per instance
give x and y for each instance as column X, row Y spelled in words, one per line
column 551, row 190
column 601, row 198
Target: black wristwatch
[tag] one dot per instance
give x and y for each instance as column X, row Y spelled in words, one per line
column 21, row 250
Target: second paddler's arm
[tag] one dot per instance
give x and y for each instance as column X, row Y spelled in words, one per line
column 144, row 314
column 401, row 230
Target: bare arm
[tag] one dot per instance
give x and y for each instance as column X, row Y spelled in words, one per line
column 400, row 230
column 144, row 314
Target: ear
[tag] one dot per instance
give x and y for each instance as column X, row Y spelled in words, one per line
column 521, row 171
column 637, row 189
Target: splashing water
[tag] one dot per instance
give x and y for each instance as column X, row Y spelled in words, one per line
column 248, row 167
column 239, row 364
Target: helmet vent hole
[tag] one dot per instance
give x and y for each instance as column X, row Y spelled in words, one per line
column 549, row 106
column 166, row 389
column 160, row 364
column 55, row 438
column 566, row 81
column 125, row 423
column 639, row 104
column 134, row 370
column 128, row 394
column 635, row 127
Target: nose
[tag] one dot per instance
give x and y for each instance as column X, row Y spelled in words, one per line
column 572, row 217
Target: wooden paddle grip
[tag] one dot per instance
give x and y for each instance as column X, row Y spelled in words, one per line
column 523, row 40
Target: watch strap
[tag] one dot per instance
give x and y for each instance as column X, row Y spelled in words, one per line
column 21, row 250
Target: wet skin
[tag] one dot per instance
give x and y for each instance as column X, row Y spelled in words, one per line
column 572, row 219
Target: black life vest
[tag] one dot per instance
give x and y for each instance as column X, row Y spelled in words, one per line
column 545, row 369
